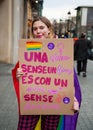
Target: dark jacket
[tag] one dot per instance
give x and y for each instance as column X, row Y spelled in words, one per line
column 81, row 49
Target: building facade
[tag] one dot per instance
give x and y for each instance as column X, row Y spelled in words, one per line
column 15, row 24
column 84, row 21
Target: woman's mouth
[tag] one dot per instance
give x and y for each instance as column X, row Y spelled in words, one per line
column 39, row 36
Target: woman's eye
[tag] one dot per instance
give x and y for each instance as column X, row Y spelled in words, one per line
column 34, row 28
column 41, row 27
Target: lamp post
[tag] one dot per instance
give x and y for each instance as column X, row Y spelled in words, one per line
column 68, row 23
column 60, row 28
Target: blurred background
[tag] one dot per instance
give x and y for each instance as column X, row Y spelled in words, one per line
column 69, row 19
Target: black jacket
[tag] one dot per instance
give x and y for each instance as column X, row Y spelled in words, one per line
column 81, row 49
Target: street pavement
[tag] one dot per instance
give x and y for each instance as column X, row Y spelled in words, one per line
column 8, row 102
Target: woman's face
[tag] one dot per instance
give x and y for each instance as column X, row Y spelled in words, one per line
column 40, row 30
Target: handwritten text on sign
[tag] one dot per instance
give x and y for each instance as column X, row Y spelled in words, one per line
column 47, row 80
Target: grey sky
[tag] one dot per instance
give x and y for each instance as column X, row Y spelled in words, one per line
column 56, row 9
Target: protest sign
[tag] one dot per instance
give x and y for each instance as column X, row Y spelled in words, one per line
column 46, row 86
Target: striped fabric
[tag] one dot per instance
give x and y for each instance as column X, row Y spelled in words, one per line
column 61, row 123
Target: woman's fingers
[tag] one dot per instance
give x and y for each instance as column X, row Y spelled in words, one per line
column 76, row 105
column 19, row 73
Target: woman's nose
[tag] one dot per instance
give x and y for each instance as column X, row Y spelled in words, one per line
column 38, row 30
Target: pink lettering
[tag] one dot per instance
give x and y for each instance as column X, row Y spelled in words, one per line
column 24, row 79
column 26, row 97
column 63, row 70
column 30, row 79
column 38, row 98
column 60, row 82
column 38, row 69
column 45, row 107
column 32, row 97
column 42, row 81
column 36, row 56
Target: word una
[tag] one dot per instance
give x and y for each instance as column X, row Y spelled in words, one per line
column 36, row 56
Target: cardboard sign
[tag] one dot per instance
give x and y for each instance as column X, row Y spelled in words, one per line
column 46, row 86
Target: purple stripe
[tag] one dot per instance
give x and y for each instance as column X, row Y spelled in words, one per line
column 71, row 121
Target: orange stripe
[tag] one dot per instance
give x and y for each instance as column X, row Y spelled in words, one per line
column 33, row 42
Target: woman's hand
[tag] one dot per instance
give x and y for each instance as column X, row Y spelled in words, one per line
column 19, row 73
column 76, row 105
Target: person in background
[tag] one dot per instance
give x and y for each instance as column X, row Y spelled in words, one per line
column 81, row 54
column 42, row 28
column 75, row 39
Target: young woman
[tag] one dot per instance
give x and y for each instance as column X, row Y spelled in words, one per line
column 42, row 28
